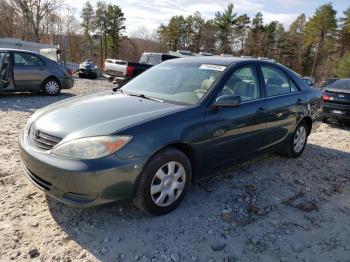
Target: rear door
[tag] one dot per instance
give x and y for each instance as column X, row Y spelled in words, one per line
column 29, row 70
column 285, row 103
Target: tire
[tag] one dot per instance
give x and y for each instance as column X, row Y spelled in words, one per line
column 51, row 87
column 324, row 120
column 168, row 174
column 297, row 142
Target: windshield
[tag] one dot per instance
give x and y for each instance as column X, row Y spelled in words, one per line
column 176, row 82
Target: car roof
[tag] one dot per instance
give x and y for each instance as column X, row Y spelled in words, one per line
column 217, row 60
column 18, row 50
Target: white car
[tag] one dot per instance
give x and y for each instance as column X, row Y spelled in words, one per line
column 114, row 67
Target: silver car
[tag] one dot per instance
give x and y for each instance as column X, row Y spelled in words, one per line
column 22, row 70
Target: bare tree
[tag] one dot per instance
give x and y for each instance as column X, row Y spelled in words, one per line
column 33, row 13
column 7, row 19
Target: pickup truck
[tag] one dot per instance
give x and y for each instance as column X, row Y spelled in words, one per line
column 124, row 71
column 114, row 67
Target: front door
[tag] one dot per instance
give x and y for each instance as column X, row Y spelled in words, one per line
column 6, row 73
column 236, row 132
column 29, row 70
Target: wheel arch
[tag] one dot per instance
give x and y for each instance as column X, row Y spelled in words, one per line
column 189, row 152
column 308, row 121
column 186, row 149
column 50, row 77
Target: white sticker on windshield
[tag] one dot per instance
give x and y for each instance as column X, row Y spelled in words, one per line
column 212, row 67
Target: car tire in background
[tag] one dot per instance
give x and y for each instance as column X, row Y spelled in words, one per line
column 51, row 87
column 297, row 142
column 163, row 182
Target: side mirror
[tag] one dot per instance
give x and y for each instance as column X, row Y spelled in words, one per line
column 227, row 101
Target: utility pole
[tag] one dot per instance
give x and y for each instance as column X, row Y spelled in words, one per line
column 65, row 50
column 101, row 45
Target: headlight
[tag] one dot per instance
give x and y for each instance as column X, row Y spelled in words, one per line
column 91, row 147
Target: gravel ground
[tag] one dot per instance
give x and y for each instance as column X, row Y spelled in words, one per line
column 267, row 209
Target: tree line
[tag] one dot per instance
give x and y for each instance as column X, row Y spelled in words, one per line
column 317, row 46
column 309, row 46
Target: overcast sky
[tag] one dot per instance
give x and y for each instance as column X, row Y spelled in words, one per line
column 151, row 13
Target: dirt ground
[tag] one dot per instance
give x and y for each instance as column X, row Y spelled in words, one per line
column 267, row 209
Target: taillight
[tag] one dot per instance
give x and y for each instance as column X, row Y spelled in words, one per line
column 130, row 71
column 69, row 72
column 326, row 98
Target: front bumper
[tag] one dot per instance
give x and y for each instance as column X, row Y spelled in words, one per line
column 337, row 111
column 66, row 82
column 81, row 183
column 88, row 72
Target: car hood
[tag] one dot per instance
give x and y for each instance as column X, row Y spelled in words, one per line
column 98, row 114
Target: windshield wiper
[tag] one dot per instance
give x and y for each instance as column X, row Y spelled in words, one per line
column 146, row 97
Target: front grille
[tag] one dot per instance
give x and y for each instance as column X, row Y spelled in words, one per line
column 43, row 140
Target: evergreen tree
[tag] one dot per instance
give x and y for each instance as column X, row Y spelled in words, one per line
column 320, row 28
column 225, row 21
column 88, row 23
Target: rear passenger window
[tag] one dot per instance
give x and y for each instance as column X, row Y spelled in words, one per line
column 26, row 59
column 277, row 82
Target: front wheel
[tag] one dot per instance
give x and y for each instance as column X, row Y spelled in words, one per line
column 297, row 142
column 163, row 182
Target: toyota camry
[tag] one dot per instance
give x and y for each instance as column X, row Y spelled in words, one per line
column 177, row 123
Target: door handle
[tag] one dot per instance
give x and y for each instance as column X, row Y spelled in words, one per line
column 41, row 69
column 261, row 110
column 279, row 114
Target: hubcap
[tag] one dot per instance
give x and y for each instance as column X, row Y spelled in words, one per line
column 168, row 184
column 51, row 87
column 299, row 139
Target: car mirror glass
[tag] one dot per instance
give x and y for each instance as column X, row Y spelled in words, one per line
column 227, row 101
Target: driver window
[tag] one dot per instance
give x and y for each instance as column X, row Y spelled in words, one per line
column 244, row 82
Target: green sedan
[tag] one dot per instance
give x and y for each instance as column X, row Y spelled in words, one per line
column 179, row 122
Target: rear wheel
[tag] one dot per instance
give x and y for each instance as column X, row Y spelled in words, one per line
column 51, row 87
column 297, row 142
column 164, row 182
